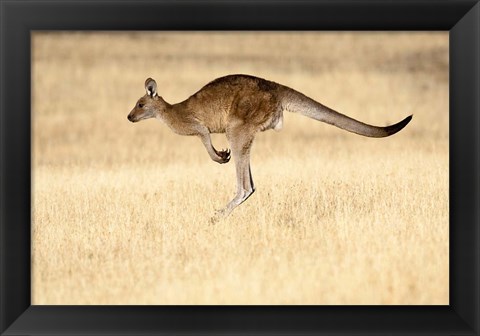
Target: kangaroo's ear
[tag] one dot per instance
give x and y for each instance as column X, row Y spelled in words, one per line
column 151, row 87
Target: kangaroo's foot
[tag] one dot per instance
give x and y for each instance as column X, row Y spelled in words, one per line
column 223, row 156
column 241, row 197
column 219, row 215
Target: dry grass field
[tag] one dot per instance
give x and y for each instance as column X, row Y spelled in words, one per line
column 121, row 211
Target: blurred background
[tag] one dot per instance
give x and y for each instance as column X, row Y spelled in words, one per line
column 121, row 211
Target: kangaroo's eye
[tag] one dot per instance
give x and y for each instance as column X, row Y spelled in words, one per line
column 140, row 105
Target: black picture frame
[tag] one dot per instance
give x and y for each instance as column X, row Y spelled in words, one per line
column 19, row 17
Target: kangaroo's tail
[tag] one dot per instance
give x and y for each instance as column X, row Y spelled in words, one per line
column 295, row 101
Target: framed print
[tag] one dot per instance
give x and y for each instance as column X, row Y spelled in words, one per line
column 335, row 236
column 64, row 102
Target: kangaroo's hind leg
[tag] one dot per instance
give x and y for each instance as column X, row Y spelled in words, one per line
column 240, row 142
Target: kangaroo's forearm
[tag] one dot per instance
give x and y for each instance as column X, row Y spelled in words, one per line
column 217, row 156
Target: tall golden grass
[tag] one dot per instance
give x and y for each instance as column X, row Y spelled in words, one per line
column 121, row 211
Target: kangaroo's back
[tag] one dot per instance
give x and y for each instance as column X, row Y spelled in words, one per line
column 236, row 98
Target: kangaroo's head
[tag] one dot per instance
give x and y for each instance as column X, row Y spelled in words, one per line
column 151, row 105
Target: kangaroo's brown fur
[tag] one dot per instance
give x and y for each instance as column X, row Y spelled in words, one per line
column 241, row 106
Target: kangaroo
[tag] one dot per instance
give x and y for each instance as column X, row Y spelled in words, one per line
column 240, row 106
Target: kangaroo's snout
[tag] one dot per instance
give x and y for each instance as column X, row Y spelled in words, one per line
column 130, row 117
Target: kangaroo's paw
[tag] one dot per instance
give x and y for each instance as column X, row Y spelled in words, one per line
column 223, row 156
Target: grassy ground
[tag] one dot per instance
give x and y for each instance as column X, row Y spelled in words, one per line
column 121, row 211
